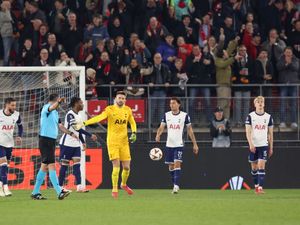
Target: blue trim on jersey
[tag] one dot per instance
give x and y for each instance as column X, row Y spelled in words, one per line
column 271, row 122
column 187, row 120
column 248, row 120
column 20, row 126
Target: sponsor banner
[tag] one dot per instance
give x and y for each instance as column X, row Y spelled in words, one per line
column 95, row 107
column 138, row 109
column 25, row 164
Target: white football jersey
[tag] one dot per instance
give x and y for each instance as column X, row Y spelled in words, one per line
column 68, row 140
column 7, row 126
column 175, row 126
column 260, row 125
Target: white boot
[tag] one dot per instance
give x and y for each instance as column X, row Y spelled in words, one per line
column 175, row 189
column 1, row 190
column 6, row 190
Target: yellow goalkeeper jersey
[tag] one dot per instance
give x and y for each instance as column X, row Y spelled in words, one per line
column 117, row 121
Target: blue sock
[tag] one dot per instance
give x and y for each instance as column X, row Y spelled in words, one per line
column 62, row 174
column 176, row 176
column 261, row 177
column 77, row 173
column 172, row 175
column 3, row 173
column 254, row 177
column 39, row 181
column 54, row 181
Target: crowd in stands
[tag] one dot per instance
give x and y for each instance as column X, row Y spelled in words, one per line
column 163, row 42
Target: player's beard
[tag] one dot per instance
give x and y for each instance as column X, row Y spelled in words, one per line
column 11, row 111
column 120, row 103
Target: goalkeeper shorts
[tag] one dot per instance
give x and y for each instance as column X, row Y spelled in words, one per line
column 119, row 151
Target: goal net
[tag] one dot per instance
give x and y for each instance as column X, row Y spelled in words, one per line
column 31, row 87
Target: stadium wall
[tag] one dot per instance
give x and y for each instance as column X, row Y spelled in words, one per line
column 211, row 169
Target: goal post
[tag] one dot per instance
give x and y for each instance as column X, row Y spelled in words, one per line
column 31, row 87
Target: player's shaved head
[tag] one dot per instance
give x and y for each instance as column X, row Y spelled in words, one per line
column 53, row 97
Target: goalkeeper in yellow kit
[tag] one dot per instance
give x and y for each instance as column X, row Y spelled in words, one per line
column 118, row 116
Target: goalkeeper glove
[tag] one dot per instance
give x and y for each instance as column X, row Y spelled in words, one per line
column 77, row 125
column 132, row 138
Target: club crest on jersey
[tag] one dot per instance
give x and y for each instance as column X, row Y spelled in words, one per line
column 120, row 121
column 174, row 126
column 7, row 127
column 260, row 127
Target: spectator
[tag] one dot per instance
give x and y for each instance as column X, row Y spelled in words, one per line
column 6, row 30
column 54, row 48
column 139, row 52
column 232, row 9
column 272, row 17
column 72, row 34
column 155, row 33
column 294, row 39
column 27, row 55
column 167, row 51
column 96, row 31
column 58, row 18
column 275, row 48
column 83, row 53
column 42, row 39
column 68, row 78
column 182, row 7
column 179, row 77
column 242, row 70
column 91, row 83
column 32, row 22
column 115, row 28
column 199, row 70
column 186, row 30
column 204, row 29
column 105, row 75
column 248, row 41
column 229, row 32
column 223, row 61
column 119, row 52
column 134, row 75
column 161, row 75
column 169, row 19
column 100, row 47
column 43, row 60
column 220, row 130
column 184, row 50
column 123, row 9
column 288, row 69
column 264, row 75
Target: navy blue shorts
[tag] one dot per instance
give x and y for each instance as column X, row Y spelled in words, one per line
column 68, row 153
column 5, row 152
column 260, row 153
column 173, row 154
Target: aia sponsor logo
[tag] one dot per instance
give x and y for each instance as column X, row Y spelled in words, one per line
column 260, row 127
column 174, row 126
column 7, row 127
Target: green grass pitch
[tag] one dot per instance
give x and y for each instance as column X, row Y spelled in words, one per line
column 157, row 207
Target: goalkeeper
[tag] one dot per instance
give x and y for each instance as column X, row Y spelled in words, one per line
column 118, row 116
